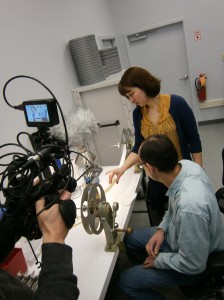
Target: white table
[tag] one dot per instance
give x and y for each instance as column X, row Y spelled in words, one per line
column 92, row 265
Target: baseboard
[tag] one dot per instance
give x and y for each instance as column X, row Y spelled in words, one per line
column 211, row 122
column 211, row 103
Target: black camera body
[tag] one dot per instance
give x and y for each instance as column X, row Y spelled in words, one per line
column 49, row 163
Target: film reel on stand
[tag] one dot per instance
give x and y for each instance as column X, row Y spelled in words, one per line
column 97, row 215
column 92, row 196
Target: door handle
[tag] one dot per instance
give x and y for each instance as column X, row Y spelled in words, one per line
column 116, row 123
column 185, row 77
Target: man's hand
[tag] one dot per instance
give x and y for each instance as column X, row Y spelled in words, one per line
column 155, row 242
column 50, row 221
column 149, row 262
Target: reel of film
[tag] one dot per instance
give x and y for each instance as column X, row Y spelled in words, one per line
column 97, row 215
column 92, row 196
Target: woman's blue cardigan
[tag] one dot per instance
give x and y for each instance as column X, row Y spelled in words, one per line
column 186, row 125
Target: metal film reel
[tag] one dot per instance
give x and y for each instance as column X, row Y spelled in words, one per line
column 92, row 196
column 127, row 139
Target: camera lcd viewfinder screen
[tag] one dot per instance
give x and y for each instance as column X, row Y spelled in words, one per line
column 37, row 113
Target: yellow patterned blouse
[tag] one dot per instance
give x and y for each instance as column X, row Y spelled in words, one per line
column 165, row 124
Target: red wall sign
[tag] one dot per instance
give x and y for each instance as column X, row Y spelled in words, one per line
column 197, row 35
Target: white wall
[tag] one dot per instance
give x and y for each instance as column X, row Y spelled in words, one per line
column 34, row 42
column 204, row 56
column 35, row 34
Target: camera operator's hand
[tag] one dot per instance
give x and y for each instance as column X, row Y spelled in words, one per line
column 50, row 221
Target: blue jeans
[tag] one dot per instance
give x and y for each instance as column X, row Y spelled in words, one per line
column 137, row 282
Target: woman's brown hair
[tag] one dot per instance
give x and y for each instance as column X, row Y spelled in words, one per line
column 140, row 78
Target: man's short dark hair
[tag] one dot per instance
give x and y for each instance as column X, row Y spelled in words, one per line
column 159, row 151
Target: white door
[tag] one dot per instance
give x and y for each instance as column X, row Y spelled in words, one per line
column 162, row 52
column 112, row 113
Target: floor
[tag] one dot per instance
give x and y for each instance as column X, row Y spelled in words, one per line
column 212, row 136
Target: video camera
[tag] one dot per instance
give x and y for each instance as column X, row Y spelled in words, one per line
column 44, row 172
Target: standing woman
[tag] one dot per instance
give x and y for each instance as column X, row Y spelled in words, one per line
column 157, row 113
